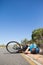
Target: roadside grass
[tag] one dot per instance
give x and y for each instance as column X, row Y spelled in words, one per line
column 2, row 46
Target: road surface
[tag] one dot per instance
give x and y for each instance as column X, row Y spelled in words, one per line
column 11, row 59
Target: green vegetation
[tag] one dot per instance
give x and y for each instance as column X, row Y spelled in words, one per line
column 2, row 45
column 37, row 37
column 24, row 42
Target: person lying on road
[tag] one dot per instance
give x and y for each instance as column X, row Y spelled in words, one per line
column 33, row 48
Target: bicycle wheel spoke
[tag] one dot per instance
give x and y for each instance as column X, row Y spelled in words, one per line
column 12, row 47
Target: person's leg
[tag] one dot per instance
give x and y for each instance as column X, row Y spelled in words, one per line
column 22, row 49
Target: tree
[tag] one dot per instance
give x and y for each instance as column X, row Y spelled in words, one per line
column 24, row 42
column 37, row 35
column 30, row 41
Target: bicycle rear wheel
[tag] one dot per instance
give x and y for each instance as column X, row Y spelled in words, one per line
column 13, row 46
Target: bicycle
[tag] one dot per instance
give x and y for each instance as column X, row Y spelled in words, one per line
column 15, row 47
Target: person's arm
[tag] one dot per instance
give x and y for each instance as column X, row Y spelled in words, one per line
column 27, row 50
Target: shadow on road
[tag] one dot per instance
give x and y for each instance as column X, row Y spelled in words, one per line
column 11, row 53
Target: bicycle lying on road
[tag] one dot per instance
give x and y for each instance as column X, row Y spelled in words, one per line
column 15, row 47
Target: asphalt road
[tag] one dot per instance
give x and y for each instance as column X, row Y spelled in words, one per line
column 11, row 59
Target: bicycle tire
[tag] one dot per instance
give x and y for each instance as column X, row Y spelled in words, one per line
column 12, row 42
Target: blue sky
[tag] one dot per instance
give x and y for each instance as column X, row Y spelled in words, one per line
column 18, row 18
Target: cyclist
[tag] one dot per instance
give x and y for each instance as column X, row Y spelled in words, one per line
column 33, row 48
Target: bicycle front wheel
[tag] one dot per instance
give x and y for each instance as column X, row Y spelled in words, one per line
column 13, row 46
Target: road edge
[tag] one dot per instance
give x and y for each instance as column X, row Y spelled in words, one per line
column 31, row 60
column 28, row 59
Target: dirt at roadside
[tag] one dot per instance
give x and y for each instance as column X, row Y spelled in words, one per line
column 37, row 57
